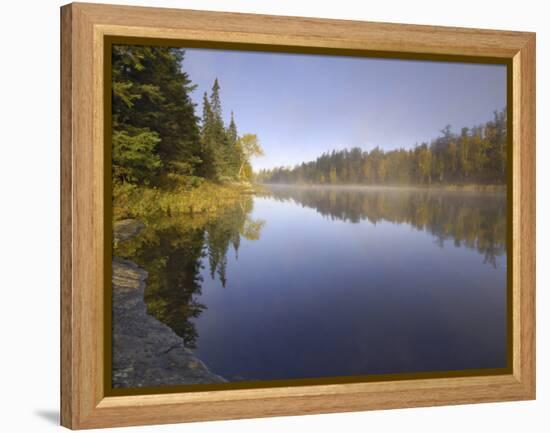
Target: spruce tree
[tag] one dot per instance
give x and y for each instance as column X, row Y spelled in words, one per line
column 215, row 102
column 151, row 95
column 234, row 154
column 232, row 131
column 208, row 145
column 218, row 137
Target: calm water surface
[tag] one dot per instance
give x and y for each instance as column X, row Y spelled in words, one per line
column 311, row 282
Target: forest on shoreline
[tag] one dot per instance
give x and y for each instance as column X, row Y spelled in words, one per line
column 185, row 177
column 165, row 158
column 477, row 155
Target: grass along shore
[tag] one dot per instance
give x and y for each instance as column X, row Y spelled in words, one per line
column 206, row 197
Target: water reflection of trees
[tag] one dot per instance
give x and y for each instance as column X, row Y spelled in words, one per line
column 471, row 219
column 173, row 250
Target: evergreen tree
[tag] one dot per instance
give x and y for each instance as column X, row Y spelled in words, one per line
column 208, row 143
column 215, row 102
column 233, row 151
column 232, row 131
column 214, row 137
column 134, row 156
column 152, row 112
column 226, row 156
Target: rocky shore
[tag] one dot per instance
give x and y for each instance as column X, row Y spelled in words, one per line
column 146, row 352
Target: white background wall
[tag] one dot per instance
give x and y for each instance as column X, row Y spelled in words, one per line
column 29, row 220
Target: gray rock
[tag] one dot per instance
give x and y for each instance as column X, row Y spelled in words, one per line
column 126, row 229
column 146, row 352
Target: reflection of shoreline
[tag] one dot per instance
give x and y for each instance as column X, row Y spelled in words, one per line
column 174, row 249
column 146, row 352
column 474, row 219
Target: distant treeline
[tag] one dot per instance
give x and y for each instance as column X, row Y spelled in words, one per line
column 476, row 155
column 158, row 139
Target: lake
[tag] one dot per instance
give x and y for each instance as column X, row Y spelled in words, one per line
column 306, row 282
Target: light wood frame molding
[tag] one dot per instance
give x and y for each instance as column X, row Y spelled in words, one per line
column 83, row 29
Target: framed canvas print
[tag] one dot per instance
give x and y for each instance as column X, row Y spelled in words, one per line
column 270, row 216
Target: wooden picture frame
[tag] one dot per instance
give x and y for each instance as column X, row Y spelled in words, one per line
column 84, row 30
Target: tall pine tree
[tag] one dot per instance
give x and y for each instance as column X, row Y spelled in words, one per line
column 154, row 122
column 220, row 152
column 233, row 152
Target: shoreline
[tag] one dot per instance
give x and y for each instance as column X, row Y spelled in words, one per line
column 146, row 352
column 434, row 187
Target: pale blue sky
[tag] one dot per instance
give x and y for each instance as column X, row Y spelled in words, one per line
column 303, row 105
